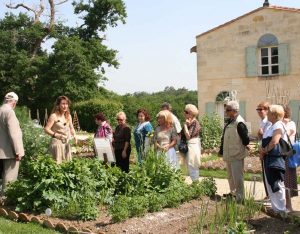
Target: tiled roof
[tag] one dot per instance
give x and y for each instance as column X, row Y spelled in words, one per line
column 249, row 13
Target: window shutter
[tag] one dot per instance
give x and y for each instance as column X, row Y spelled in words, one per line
column 210, row 108
column 295, row 108
column 251, row 61
column 242, row 110
column 284, row 59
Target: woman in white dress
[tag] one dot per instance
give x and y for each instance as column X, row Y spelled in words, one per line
column 165, row 138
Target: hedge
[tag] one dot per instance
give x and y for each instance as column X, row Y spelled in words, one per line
column 86, row 111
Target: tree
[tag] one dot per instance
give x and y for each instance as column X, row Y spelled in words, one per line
column 73, row 68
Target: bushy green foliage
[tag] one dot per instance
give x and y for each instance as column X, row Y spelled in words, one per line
column 178, row 98
column 211, row 131
column 76, row 188
column 86, row 111
column 22, row 113
column 74, row 68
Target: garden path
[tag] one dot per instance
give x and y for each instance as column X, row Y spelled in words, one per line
column 258, row 192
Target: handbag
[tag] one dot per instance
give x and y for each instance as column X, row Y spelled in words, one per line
column 286, row 148
column 183, row 146
column 294, row 160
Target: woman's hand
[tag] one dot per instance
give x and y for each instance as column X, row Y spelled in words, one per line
column 166, row 147
column 262, row 153
column 188, row 121
column 75, row 140
column 124, row 155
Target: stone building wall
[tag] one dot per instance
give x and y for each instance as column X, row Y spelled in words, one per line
column 221, row 59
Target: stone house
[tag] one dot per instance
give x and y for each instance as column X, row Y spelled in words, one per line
column 255, row 57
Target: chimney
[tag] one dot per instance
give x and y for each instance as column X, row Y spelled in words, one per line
column 266, row 3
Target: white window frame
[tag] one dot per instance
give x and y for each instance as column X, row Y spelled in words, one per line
column 269, row 65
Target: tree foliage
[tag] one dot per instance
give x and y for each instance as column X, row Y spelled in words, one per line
column 74, row 67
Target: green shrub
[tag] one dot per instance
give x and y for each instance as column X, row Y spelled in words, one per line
column 86, row 111
column 119, row 210
column 211, row 131
column 156, row 202
column 208, row 186
column 22, row 113
column 138, row 206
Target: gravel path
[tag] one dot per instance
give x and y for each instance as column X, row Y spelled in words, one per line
column 258, row 191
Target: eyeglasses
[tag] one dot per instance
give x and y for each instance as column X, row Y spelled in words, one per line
column 259, row 109
column 120, row 119
column 227, row 110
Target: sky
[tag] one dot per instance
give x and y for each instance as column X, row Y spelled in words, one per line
column 154, row 44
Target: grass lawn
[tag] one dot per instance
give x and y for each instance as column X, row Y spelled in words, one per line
column 11, row 227
column 223, row 174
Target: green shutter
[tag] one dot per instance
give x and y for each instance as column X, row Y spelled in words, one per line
column 284, row 59
column 243, row 109
column 210, row 108
column 251, row 61
column 295, row 108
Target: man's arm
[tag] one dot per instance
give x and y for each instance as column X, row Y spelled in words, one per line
column 243, row 133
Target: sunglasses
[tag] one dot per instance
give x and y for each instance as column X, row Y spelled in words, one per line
column 261, row 109
column 227, row 110
column 186, row 112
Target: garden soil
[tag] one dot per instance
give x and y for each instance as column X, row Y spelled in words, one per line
column 183, row 218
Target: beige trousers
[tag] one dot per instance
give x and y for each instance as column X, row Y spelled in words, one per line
column 235, row 170
column 10, row 172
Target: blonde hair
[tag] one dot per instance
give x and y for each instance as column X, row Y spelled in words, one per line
column 192, row 109
column 121, row 113
column 265, row 105
column 277, row 111
column 167, row 117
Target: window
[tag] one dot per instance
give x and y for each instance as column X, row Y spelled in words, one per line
column 269, row 61
column 267, row 58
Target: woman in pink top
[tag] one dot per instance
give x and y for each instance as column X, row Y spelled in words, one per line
column 104, row 130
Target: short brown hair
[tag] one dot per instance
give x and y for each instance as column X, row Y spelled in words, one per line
column 100, row 116
column 144, row 112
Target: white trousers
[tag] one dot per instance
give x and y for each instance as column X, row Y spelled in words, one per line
column 193, row 172
column 278, row 198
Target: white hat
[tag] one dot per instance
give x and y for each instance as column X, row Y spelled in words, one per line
column 11, row 96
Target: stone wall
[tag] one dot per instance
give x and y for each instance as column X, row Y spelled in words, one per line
column 221, row 59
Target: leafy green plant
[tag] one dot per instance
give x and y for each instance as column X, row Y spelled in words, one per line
column 138, row 206
column 211, row 131
column 119, row 209
column 156, row 202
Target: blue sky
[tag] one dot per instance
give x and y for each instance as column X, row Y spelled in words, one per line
column 154, row 44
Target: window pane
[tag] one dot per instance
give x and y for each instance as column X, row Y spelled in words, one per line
column 274, row 51
column 275, row 70
column 275, row 60
column 264, row 61
column 265, row 70
column 264, row 51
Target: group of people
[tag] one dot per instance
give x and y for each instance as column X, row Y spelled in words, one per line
column 279, row 179
column 165, row 138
